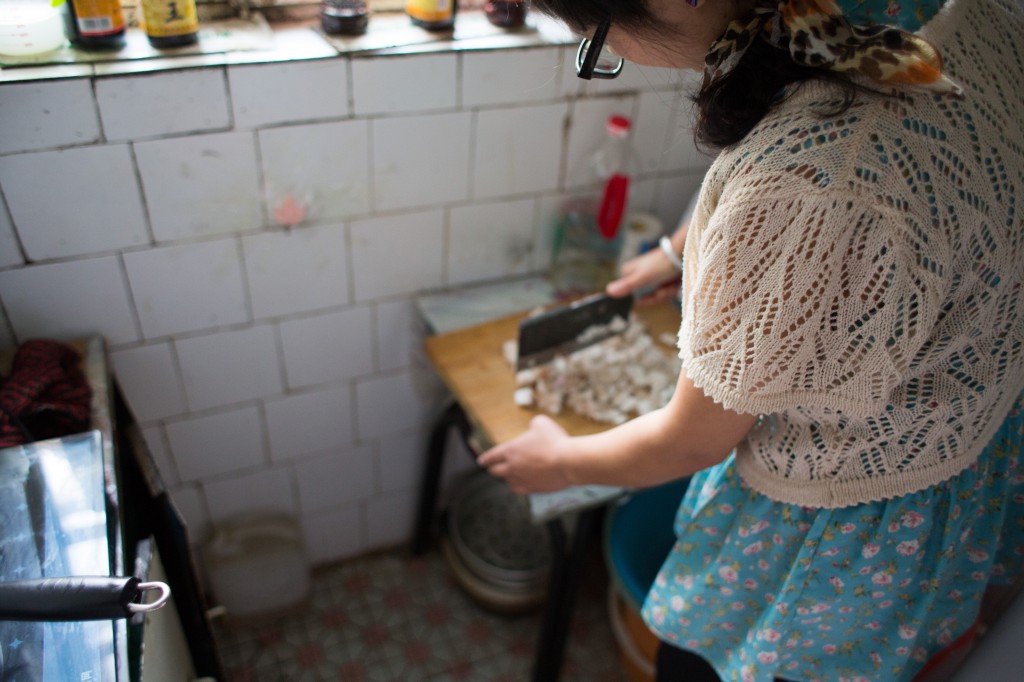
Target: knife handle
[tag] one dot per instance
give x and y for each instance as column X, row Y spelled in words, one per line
column 76, row 598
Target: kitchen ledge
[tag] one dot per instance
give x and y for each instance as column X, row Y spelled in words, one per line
column 254, row 41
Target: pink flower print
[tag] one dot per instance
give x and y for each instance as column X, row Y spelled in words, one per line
column 688, row 582
column 759, row 526
column 904, row 583
column 955, row 594
column 770, row 635
column 753, row 548
column 728, row 626
column 976, row 556
column 692, row 644
column 743, row 532
column 737, row 606
column 847, row 528
column 725, row 508
column 876, row 658
column 885, row 604
column 820, row 608
column 869, row 550
column 893, row 9
column 874, row 625
column 902, row 650
column 728, row 574
column 920, row 655
column 829, row 648
column 777, row 539
column 912, row 519
column 767, row 657
column 832, row 551
column 864, row 570
column 907, row 632
column 955, row 512
column 907, row 547
column 762, row 564
column 726, row 591
column 979, row 576
column 711, row 530
column 881, row 578
column 676, row 603
column 747, row 674
column 894, row 527
column 750, row 583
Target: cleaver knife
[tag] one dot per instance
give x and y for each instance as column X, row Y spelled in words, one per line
column 557, row 331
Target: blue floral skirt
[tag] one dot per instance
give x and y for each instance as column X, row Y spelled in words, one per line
column 869, row 592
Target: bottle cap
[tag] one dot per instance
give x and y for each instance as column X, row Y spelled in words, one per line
column 618, row 125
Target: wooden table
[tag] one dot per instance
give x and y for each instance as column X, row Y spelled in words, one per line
column 473, row 366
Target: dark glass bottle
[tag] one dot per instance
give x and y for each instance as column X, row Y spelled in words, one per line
column 170, row 23
column 95, row 24
column 433, row 15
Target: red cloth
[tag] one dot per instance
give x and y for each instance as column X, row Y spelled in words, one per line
column 46, row 393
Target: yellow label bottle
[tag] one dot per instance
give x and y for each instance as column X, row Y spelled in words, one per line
column 433, row 15
column 95, row 24
column 170, row 23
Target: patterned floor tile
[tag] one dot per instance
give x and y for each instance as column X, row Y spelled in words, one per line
column 389, row 618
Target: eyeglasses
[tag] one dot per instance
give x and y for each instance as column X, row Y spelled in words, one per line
column 593, row 60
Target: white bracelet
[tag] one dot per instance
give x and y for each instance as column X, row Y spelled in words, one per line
column 670, row 252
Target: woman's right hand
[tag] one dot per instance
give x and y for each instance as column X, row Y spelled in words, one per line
column 650, row 270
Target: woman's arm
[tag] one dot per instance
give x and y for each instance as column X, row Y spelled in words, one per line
column 691, row 433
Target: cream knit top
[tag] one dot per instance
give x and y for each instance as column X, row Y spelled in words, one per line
column 856, row 279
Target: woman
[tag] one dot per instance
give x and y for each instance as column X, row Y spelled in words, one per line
column 852, row 336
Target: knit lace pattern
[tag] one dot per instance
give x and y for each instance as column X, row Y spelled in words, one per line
column 855, row 279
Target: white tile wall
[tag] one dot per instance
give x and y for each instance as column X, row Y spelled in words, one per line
column 250, row 240
column 47, row 114
column 421, row 160
column 325, row 167
column 310, row 423
column 511, row 77
column 69, row 299
column 506, row 159
column 187, row 288
column 328, row 348
column 415, row 84
column 225, row 442
column 491, row 241
column 230, row 367
column 290, row 91
column 99, row 207
column 396, row 255
column 150, row 380
column 134, row 107
column 187, row 179
column 298, row 270
column 10, row 250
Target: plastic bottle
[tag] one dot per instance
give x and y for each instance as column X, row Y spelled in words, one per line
column 95, row 24
column 588, row 235
column 170, row 23
column 29, row 27
column 432, row 15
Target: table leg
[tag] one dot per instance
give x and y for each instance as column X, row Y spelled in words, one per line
column 566, row 568
column 452, row 415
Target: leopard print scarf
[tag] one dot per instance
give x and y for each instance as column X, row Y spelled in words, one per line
column 817, row 34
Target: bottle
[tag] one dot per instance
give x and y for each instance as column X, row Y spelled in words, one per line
column 588, row 238
column 344, row 17
column 30, row 27
column 95, row 24
column 508, row 14
column 170, row 23
column 432, row 15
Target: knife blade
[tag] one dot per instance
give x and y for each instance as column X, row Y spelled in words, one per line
column 561, row 329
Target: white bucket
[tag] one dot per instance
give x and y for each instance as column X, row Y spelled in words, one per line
column 30, row 27
column 257, row 565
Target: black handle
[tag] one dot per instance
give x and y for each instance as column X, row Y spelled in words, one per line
column 65, row 599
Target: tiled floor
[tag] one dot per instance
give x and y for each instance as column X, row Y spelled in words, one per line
column 395, row 618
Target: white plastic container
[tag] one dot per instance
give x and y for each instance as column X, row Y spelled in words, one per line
column 29, row 27
column 257, row 565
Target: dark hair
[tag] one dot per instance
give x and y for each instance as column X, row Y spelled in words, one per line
column 730, row 108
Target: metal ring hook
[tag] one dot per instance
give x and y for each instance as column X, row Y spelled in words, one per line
column 165, row 594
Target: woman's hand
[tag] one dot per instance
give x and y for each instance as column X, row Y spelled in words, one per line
column 649, row 270
column 530, row 462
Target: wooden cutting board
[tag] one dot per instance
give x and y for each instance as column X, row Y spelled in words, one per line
column 472, row 364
